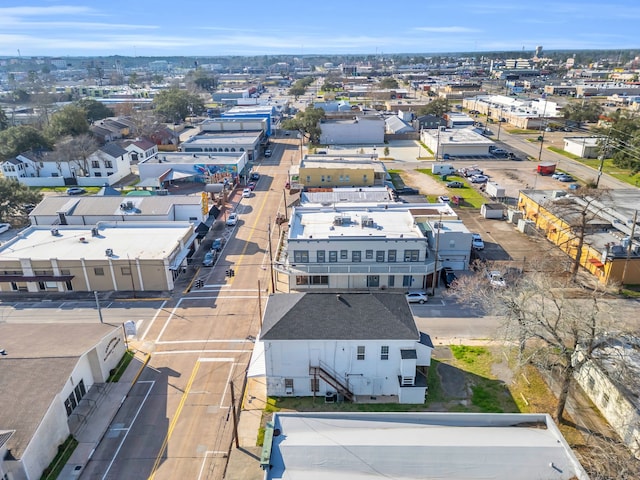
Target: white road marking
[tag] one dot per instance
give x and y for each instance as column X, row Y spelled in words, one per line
column 153, row 320
column 166, row 323
column 168, row 342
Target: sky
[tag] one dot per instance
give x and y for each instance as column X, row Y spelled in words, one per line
column 303, row 27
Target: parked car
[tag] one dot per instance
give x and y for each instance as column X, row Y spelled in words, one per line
column 232, row 220
column 455, row 184
column 476, row 241
column 267, row 153
column 448, row 277
column 496, row 279
column 479, row 179
column 246, row 193
column 209, row 258
column 417, row 297
column 4, row 227
column 255, row 176
column 443, row 199
column 217, row 244
column 566, row 178
column 499, row 152
column 251, row 186
column 556, row 175
column 75, row 191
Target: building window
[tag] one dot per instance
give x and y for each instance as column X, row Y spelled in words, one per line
column 65, row 272
column 301, row 256
column 391, row 281
column 97, row 174
column 302, row 280
column 379, row 255
column 360, row 353
column 99, row 271
column 344, row 255
column 356, row 256
column 315, row 384
column 125, row 270
column 95, row 164
column 407, row 280
column 312, row 280
column 368, row 254
column 328, row 178
column 308, row 179
column 364, row 178
column 322, row 178
column 333, row 256
column 288, row 386
column 411, row 255
column 320, row 256
column 391, row 256
column 108, row 164
column 373, row 280
column 384, row 352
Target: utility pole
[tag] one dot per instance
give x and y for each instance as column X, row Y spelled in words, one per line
column 273, row 283
column 234, row 414
column 95, row 295
column 435, row 264
column 629, row 247
column 602, row 156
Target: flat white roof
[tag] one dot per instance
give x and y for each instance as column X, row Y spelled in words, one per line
column 420, row 445
column 148, row 240
column 212, row 138
column 459, row 136
column 191, row 158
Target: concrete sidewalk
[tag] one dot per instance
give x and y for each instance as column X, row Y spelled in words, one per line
column 95, row 413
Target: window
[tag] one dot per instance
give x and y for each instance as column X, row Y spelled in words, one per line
column 108, row 164
column 379, row 255
column 364, row 178
column 328, row 178
column 384, row 352
column 99, row 271
column 391, row 256
column 411, row 255
column 95, row 164
column 308, row 179
column 65, row 272
column 288, row 386
column 360, row 354
column 322, row 178
column 391, row 281
column 407, row 280
column 344, row 254
column 312, row 280
column 373, row 280
column 320, row 256
column 125, row 270
column 368, row 254
column 97, row 174
column 333, row 256
column 356, row 256
column 302, row 280
column 315, row 384
column 301, row 256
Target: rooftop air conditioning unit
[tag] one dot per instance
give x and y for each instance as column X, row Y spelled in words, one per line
column 55, row 232
column 162, row 191
column 129, row 204
column 94, row 232
column 123, row 206
column 108, row 252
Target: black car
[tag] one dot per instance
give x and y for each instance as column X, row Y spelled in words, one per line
column 448, row 276
column 255, row 176
column 407, row 191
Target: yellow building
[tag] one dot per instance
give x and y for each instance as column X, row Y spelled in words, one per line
column 608, row 252
column 322, row 170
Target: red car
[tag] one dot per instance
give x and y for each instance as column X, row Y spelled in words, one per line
column 251, row 185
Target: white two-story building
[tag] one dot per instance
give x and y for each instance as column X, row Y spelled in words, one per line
column 349, row 346
column 368, row 246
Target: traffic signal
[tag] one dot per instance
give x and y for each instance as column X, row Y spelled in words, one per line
column 232, row 272
column 227, row 273
column 199, row 283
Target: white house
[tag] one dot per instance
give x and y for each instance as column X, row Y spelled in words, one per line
column 348, row 345
column 140, row 149
column 50, row 371
column 369, row 246
column 585, row 147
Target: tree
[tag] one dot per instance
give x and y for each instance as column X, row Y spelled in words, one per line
column 175, row 105
column 76, row 150
column 4, row 121
column 94, row 110
column 71, row 120
column 437, row 107
column 12, row 196
column 554, row 331
column 21, row 138
column 388, row 82
column 307, row 122
column 581, row 112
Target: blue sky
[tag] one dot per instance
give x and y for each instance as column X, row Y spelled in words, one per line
column 302, row 27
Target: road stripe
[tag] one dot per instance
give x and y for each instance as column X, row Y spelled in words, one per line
column 172, row 352
column 167, row 342
column 153, row 320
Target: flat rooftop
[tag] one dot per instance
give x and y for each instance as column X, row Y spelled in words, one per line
column 459, row 136
column 144, row 240
column 98, row 205
column 191, row 158
column 382, row 221
column 338, row 162
column 420, row 445
column 226, row 138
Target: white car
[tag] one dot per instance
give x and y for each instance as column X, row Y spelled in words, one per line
column 246, row 193
column 232, row 220
column 496, row 279
column 479, row 179
column 4, row 227
column 417, row 297
column 443, row 199
column 476, row 241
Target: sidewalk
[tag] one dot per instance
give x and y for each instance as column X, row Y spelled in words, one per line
column 100, row 406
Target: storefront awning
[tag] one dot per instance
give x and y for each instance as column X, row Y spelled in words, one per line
column 596, row 262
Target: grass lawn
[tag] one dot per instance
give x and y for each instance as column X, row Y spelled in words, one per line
column 472, row 198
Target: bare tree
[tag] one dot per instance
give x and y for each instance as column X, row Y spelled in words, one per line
column 76, row 150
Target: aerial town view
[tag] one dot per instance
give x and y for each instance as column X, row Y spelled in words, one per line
column 299, row 241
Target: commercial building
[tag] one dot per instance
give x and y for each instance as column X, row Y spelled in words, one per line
column 360, row 130
column 48, row 373
column 609, row 252
column 456, row 142
column 339, row 171
column 114, row 256
column 525, row 114
column 464, row 446
column 585, row 147
column 369, row 246
column 349, row 346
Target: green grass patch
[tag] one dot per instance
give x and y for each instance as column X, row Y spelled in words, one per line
column 486, row 399
column 57, row 464
column 563, row 152
column 469, row 355
column 124, row 362
column 521, row 131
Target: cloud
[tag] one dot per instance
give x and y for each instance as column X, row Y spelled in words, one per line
column 452, row 29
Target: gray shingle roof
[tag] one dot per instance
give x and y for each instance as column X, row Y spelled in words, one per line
column 114, row 150
column 344, row 316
